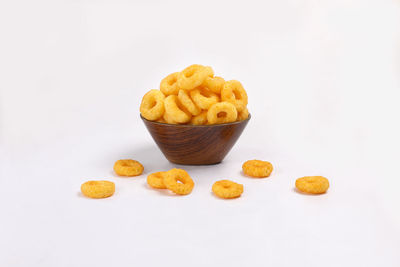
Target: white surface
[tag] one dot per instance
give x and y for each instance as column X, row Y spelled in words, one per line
column 322, row 77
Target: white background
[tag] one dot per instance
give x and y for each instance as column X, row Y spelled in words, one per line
column 323, row 82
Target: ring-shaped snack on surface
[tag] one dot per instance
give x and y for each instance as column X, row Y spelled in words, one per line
column 178, row 181
column 312, row 184
column 128, row 167
column 156, row 180
column 227, row 189
column 257, row 168
column 98, row 189
column 222, row 112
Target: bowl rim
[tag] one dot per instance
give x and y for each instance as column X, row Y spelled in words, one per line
column 196, row 126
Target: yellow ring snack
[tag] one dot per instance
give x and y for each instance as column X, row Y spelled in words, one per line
column 179, row 181
column 222, row 112
column 234, row 93
column 98, row 189
column 168, row 119
column 200, row 119
column 152, row 106
column 214, row 84
column 227, row 189
column 156, row 180
column 188, row 103
column 312, row 184
column 175, row 110
column 257, row 168
column 193, row 76
column 169, row 85
column 204, row 98
column 243, row 115
column 128, row 167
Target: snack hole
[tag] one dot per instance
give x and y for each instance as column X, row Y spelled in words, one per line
column 222, row 114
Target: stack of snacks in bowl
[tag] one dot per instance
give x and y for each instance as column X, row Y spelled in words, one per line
column 195, row 118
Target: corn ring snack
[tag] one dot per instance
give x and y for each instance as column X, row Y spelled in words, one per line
column 257, row 168
column 204, row 98
column 169, row 85
column 234, row 93
column 98, row 189
column 227, row 189
column 200, row 119
column 222, row 112
column 243, row 115
column 168, row 119
column 312, row 184
column 128, row 167
column 214, row 84
column 155, row 180
column 152, row 106
column 175, row 110
column 172, row 177
column 193, row 76
column 187, row 102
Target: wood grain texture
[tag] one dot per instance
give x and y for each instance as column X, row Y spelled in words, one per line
column 195, row 145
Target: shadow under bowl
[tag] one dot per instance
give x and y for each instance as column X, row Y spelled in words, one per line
column 195, row 144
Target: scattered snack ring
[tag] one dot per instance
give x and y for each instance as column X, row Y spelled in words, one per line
column 156, row 180
column 243, row 115
column 234, row 93
column 176, row 110
column 227, row 189
column 98, row 189
column 169, row 85
column 312, row 184
column 193, row 76
column 128, row 167
column 257, row 168
column 222, row 112
column 178, row 181
column 152, row 106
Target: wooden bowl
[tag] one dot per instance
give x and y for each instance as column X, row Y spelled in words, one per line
column 195, row 145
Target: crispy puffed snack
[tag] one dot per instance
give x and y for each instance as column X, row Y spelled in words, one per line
column 200, row 119
column 98, row 189
column 312, row 184
column 169, row 85
column 156, row 180
column 243, row 115
column 193, row 76
column 214, row 84
column 233, row 92
column 222, row 112
column 188, row 103
column 128, row 167
column 257, row 168
column 227, row 189
column 175, row 110
column 178, row 181
column 204, row 98
column 152, row 106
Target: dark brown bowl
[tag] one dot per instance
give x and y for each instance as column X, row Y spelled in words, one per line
column 195, row 145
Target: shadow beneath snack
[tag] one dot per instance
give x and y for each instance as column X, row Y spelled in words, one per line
column 304, row 193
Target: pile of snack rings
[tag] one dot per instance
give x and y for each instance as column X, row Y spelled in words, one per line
column 179, row 181
column 195, row 96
